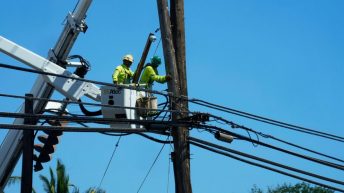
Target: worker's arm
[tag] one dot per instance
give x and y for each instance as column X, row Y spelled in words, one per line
column 155, row 77
column 131, row 73
column 115, row 75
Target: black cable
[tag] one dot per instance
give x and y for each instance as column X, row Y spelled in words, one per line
column 156, row 158
column 71, row 129
column 85, row 80
column 165, row 105
column 330, row 164
column 86, row 119
column 249, row 135
column 168, row 174
column 267, row 120
column 303, row 148
column 65, row 112
column 93, row 104
column 107, row 167
column 196, row 101
column 153, row 139
column 234, row 125
column 87, row 112
column 265, row 167
column 192, row 139
column 157, row 46
column 115, row 134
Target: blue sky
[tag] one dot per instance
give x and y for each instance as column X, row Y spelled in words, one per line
column 279, row 59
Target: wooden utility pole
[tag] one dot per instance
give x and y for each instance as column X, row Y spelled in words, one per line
column 177, row 86
column 181, row 145
column 28, row 137
column 178, row 34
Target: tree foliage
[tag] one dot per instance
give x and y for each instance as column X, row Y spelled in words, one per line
column 297, row 188
column 59, row 183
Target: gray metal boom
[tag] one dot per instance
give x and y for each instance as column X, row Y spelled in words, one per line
column 11, row 147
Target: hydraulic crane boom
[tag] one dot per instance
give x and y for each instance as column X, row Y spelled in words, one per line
column 11, row 147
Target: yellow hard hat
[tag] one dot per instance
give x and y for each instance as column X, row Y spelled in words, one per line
column 128, row 57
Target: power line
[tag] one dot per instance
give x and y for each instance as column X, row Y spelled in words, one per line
column 330, row 164
column 234, row 125
column 71, row 129
column 265, row 167
column 267, row 120
column 196, row 101
column 156, row 158
column 154, row 139
column 98, row 120
column 84, row 80
column 92, row 104
column 192, row 139
column 107, row 167
column 168, row 172
column 84, row 119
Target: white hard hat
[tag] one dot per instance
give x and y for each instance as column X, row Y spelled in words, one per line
column 128, row 57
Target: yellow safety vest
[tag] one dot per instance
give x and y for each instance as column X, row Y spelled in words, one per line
column 122, row 74
column 150, row 75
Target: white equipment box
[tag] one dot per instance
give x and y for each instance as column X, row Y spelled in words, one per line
column 120, row 98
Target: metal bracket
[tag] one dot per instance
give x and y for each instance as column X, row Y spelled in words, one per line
column 76, row 27
column 198, row 118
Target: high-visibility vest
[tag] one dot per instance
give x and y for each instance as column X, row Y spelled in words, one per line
column 150, row 75
column 122, row 74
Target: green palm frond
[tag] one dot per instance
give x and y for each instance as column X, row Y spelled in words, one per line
column 46, row 184
column 62, row 178
column 75, row 189
column 52, row 178
column 95, row 190
column 59, row 183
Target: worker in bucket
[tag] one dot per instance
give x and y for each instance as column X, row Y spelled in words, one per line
column 123, row 73
column 150, row 74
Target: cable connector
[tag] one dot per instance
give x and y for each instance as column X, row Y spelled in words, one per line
column 223, row 137
column 198, row 118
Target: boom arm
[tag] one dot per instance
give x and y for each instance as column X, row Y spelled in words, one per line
column 11, row 146
column 72, row 89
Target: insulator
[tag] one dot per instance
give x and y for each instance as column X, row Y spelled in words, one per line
column 44, row 148
column 48, row 139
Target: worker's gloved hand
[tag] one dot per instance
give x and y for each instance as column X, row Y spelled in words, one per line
column 168, row 77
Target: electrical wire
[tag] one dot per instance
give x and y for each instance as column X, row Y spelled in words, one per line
column 234, row 125
column 92, row 104
column 168, row 172
column 199, row 102
column 265, row 167
column 71, row 129
column 319, row 161
column 115, row 134
column 107, row 167
column 156, row 158
column 165, row 105
column 67, row 113
column 87, row 112
column 267, row 120
column 86, row 119
column 157, row 46
column 86, row 80
column 192, row 139
column 153, row 139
